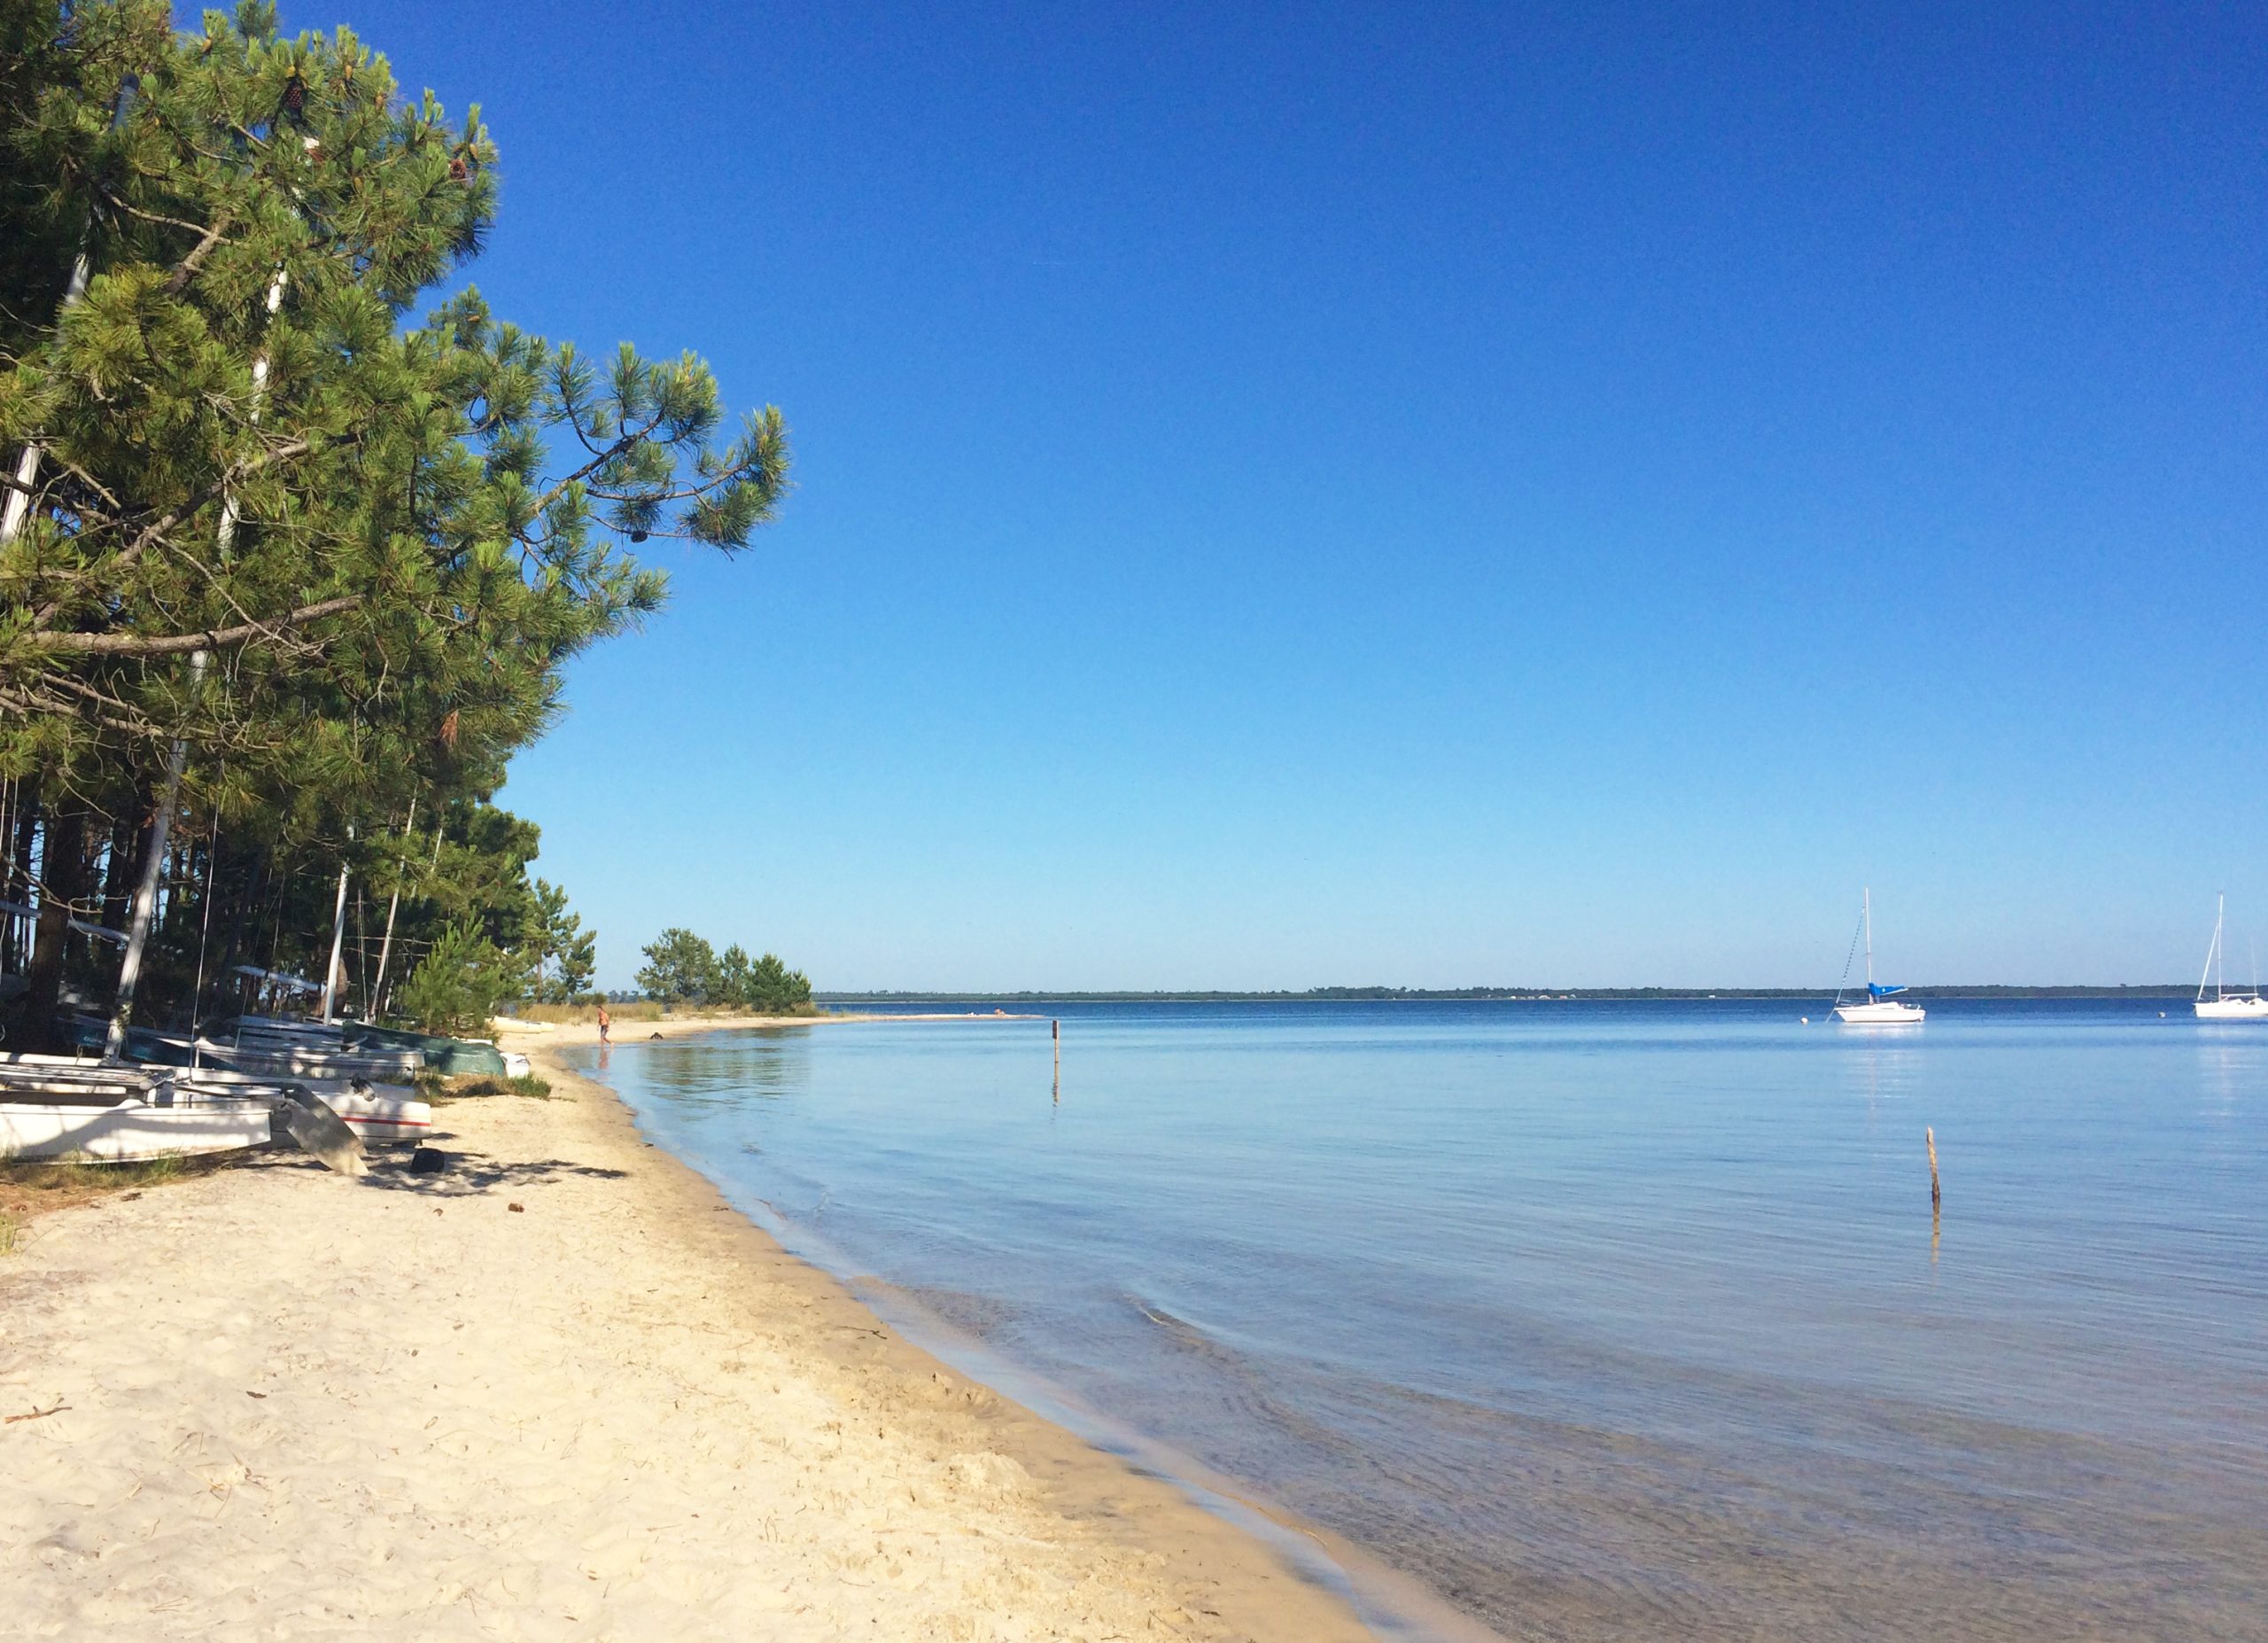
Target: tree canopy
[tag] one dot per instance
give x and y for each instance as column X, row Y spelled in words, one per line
column 682, row 968
column 257, row 507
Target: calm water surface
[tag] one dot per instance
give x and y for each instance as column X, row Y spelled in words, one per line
column 1603, row 1320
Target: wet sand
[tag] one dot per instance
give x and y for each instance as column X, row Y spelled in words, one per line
column 559, row 1390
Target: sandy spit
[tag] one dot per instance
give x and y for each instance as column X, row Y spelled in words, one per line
column 559, row 1391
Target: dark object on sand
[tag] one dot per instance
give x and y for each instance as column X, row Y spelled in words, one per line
column 653, row 1035
column 316, row 1129
column 427, row 1161
column 516, row 1208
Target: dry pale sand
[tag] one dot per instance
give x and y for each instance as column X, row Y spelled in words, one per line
column 560, row 1392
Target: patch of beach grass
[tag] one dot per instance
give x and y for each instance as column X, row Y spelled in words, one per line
column 465, row 1085
column 155, row 1172
column 33, row 1186
column 584, row 1015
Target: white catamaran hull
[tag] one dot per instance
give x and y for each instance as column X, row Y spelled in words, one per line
column 1883, row 1015
column 2232, row 1009
column 375, row 1112
column 128, row 1131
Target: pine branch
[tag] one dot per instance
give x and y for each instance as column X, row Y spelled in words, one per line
column 179, row 644
column 124, row 558
column 185, row 270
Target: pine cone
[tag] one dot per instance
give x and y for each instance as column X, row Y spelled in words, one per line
column 295, row 93
column 458, row 170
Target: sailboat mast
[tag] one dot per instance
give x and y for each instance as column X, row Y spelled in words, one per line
column 1867, row 912
column 2213, row 952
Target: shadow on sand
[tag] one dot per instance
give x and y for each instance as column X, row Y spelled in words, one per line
column 472, row 1172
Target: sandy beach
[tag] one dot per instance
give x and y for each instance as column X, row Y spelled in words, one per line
column 558, row 1391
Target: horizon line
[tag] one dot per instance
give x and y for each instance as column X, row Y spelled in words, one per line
column 1328, row 995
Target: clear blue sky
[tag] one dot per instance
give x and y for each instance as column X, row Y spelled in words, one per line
column 1418, row 493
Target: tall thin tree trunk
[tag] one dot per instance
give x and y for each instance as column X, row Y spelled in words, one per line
column 18, row 956
column 9, row 799
column 362, row 955
column 333, row 975
column 146, row 885
column 62, row 875
column 123, row 860
column 376, row 1000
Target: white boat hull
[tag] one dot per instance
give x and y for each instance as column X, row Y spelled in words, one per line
column 1880, row 1015
column 130, row 1130
column 375, row 1113
column 304, row 1063
column 2250, row 1008
column 375, row 1118
column 382, row 1118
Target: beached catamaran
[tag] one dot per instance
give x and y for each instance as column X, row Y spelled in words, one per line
column 61, row 1106
column 1880, row 1007
column 52, row 1107
column 2225, row 1004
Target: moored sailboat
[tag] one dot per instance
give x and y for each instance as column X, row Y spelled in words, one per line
column 2225, row 1004
column 1880, row 1007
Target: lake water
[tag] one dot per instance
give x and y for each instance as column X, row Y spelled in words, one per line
column 1602, row 1320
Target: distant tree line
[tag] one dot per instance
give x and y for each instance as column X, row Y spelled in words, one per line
column 682, row 968
column 1427, row 995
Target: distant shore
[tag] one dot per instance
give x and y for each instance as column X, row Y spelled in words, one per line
column 525, row 1034
column 1505, row 995
column 559, row 1389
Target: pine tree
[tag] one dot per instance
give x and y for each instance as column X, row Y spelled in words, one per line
column 385, row 536
column 568, row 956
column 681, row 967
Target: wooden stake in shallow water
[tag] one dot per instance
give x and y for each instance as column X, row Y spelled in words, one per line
column 1055, row 1031
column 1931, row 1135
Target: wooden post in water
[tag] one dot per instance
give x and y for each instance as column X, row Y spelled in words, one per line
column 1055, row 1031
column 1931, row 1135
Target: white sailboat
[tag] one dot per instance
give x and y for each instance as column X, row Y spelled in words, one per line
column 2225, row 1004
column 1881, row 1008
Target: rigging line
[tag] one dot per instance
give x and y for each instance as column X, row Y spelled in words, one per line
column 1850, row 957
column 204, row 931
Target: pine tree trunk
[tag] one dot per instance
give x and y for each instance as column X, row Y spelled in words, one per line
column 62, row 868
column 16, row 958
column 121, row 866
column 131, row 839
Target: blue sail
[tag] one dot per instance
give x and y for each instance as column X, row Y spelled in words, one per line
column 1882, row 991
